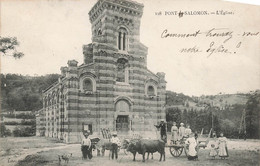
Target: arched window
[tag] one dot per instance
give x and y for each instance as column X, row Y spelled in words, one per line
column 150, row 91
column 151, row 88
column 122, row 40
column 87, row 85
column 122, row 70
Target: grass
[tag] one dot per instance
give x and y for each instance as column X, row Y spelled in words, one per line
column 237, row 158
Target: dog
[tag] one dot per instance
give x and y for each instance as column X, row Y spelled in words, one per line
column 65, row 157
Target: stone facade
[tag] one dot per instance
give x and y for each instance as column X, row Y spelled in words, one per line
column 113, row 87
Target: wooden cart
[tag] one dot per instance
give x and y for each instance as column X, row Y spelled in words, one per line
column 177, row 149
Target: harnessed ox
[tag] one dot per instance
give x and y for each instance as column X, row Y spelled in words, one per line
column 143, row 146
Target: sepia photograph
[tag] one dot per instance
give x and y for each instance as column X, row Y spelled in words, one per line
column 129, row 82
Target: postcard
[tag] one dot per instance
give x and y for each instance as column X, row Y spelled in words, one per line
column 80, row 76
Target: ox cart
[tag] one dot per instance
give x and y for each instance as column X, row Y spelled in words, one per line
column 180, row 146
column 177, row 149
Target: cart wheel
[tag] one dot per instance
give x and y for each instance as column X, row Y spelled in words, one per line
column 176, row 151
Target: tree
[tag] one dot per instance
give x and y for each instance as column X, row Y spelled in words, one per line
column 8, row 47
column 252, row 116
column 184, row 116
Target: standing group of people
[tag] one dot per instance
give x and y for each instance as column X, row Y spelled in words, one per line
column 218, row 146
column 86, row 146
column 179, row 133
column 191, row 139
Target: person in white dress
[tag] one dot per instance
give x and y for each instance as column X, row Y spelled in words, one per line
column 174, row 131
column 192, row 147
column 213, row 146
column 187, row 131
column 222, row 143
column 181, row 131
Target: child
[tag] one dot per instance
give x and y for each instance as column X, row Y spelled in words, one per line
column 181, row 131
column 187, row 131
column 213, row 147
column 223, row 151
column 174, row 131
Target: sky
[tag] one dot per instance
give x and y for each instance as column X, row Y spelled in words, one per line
column 52, row 32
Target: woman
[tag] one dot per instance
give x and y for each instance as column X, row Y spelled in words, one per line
column 192, row 144
column 187, row 131
column 174, row 131
column 223, row 151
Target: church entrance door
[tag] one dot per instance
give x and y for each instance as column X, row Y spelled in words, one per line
column 122, row 122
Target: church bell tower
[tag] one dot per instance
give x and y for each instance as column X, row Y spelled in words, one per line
column 116, row 24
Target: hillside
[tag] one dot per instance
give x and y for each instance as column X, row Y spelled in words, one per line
column 221, row 101
column 223, row 112
column 23, row 93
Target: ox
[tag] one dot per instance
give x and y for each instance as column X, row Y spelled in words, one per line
column 126, row 143
column 143, row 146
column 103, row 145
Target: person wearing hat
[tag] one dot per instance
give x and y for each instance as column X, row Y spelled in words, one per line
column 162, row 127
column 115, row 144
column 192, row 146
column 174, row 131
column 86, row 147
column 181, row 131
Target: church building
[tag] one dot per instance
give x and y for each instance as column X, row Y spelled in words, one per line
column 113, row 88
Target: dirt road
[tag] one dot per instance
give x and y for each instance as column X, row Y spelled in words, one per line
column 39, row 151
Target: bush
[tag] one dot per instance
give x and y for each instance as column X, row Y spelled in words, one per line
column 20, row 116
column 23, row 132
column 4, row 132
column 16, row 132
column 11, row 123
column 32, row 122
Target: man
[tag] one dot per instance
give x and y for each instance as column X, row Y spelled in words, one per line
column 115, row 144
column 162, row 127
column 86, row 147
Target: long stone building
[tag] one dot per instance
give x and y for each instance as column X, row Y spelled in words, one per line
column 113, row 87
